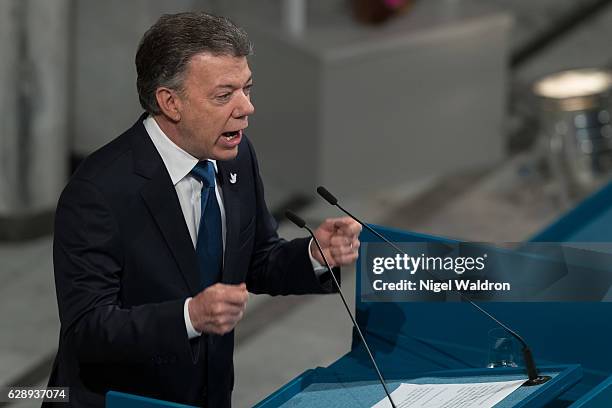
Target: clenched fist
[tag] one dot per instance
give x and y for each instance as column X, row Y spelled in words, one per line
column 339, row 239
column 218, row 308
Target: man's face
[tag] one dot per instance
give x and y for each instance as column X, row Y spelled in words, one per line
column 214, row 106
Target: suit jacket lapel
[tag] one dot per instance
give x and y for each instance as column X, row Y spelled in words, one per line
column 231, row 203
column 160, row 197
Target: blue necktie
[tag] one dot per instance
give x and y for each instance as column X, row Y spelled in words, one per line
column 209, row 246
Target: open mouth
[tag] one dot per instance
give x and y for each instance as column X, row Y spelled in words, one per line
column 230, row 135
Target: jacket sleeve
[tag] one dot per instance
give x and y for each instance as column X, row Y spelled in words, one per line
column 279, row 267
column 88, row 262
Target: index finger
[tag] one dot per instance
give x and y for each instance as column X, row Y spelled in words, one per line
column 235, row 294
column 348, row 226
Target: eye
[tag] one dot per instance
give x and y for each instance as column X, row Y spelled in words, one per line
column 224, row 96
column 247, row 89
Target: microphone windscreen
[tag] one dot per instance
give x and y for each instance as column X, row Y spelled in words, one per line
column 329, row 197
column 294, row 218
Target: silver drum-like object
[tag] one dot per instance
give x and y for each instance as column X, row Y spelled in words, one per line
column 575, row 125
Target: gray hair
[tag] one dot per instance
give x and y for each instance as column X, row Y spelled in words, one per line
column 167, row 47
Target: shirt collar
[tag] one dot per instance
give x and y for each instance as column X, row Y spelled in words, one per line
column 177, row 161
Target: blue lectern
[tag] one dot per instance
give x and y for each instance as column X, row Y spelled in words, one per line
column 416, row 340
column 598, row 397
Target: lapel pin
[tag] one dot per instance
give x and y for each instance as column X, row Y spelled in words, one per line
column 233, row 178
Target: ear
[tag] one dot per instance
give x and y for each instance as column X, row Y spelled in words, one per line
column 169, row 102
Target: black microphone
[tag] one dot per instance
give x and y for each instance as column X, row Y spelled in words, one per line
column 530, row 365
column 294, row 218
column 302, row 224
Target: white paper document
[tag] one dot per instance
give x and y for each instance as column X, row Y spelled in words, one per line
column 470, row 395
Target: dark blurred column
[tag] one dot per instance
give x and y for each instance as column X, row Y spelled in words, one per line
column 33, row 102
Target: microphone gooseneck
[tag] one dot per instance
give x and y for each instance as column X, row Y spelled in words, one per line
column 302, row 224
column 530, row 365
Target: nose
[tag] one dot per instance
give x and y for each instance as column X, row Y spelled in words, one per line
column 244, row 106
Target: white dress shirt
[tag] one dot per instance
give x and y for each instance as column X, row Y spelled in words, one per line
column 179, row 164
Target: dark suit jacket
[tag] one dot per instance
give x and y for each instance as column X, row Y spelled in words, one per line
column 124, row 265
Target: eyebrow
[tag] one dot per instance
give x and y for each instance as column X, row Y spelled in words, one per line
column 228, row 86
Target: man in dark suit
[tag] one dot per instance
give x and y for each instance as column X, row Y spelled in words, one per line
column 161, row 234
